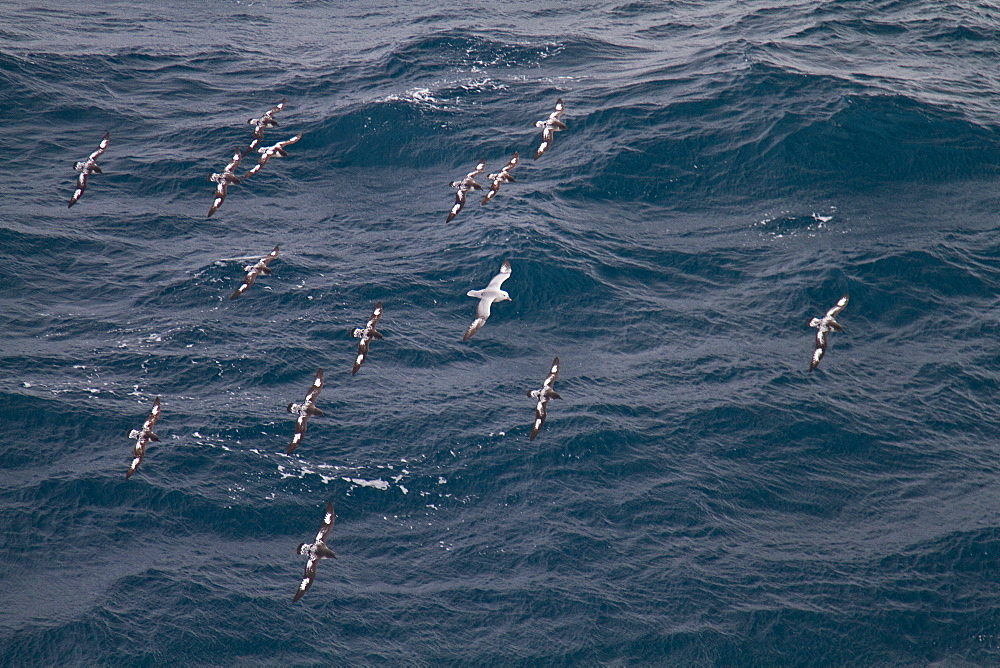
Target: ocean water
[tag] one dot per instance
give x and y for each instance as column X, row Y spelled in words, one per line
column 730, row 169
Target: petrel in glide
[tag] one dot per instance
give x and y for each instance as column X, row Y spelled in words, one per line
column 142, row 437
column 824, row 326
column 543, row 395
column 88, row 167
column 366, row 334
column 487, row 296
column 264, row 122
column 268, row 152
column 305, row 410
column 464, row 186
column 315, row 551
column 501, row 177
column 255, row 270
column 550, row 126
column 223, row 180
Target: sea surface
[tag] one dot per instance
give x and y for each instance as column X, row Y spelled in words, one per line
column 696, row 498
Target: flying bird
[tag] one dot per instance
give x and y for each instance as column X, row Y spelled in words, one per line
column 223, row 180
column 142, row 437
column 88, row 167
column 366, row 334
column 305, row 410
column 315, row 551
column 824, row 326
column 268, row 152
column 549, row 127
column 255, row 270
column 501, row 177
column 464, row 186
column 487, row 296
column 543, row 395
column 263, row 123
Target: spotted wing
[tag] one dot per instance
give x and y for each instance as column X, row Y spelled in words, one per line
column 457, row 206
column 328, row 519
column 307, row 579
column 315, row 388
column 234, row 162
column 494, row 188
column 553, row 374
column 283, row 144
column 477, row 171
column 102, row 147
column 276, row 108
column 820, row 349
column 255, row 271
column 81, row 185
column 220, row 196
column 838, row 307
column 154, row 415
column 539, row 415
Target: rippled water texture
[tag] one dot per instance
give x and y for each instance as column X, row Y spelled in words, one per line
column 730, row 169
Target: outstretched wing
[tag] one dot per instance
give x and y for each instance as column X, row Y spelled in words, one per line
column 477, row 324
column 317, row 385
column 820, row 349
column 327, row 522
column 553, row 374
column 838, row 307
column 81, row 185
column 457, row 206
column 307, row 579
column 102, row 147
column 539, row 415
column 498, row 280
column 154, row 415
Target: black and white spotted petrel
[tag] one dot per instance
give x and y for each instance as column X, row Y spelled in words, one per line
column 88, row 167
column 824, row 326
column 366, row 334
column 305, row 410
column 501, row 177
column 315, row 551
column 142, row 437
column 464, row 186
column 268, row 152
column 223, row 180
column 550, row 126
column 263, row 123
column 487, row 296
column 543, row 395
column 255, row 270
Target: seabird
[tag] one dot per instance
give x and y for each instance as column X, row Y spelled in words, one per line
column 366, row 334
column 142, row 437
column 268, row 152
column 315, row 551
column 500, row 178
column 305, row 410
column 264, row 122
column 223, row 180
column 88, row 167
column 491, row 293
column 824, row 326
column 255, row 270
column 464, row 186
column 550, row 126
column 543, row 395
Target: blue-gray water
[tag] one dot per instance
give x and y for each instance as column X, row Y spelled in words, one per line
column 696, row 498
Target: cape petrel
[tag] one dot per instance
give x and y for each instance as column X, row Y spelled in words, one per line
column 464, row 186
column 824, row 326
column 550, row 126
column 543, row 395
column 268, row 152
column 223, row 180
column 305, row 410
column 315, row 551
column 264, row 122
column 255, row 270
column 500, row 178
column 88, row 167
column 487, row 296
column 366, row 334
column 142, row 437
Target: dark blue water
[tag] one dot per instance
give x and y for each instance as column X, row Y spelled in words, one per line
column 729, row 170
